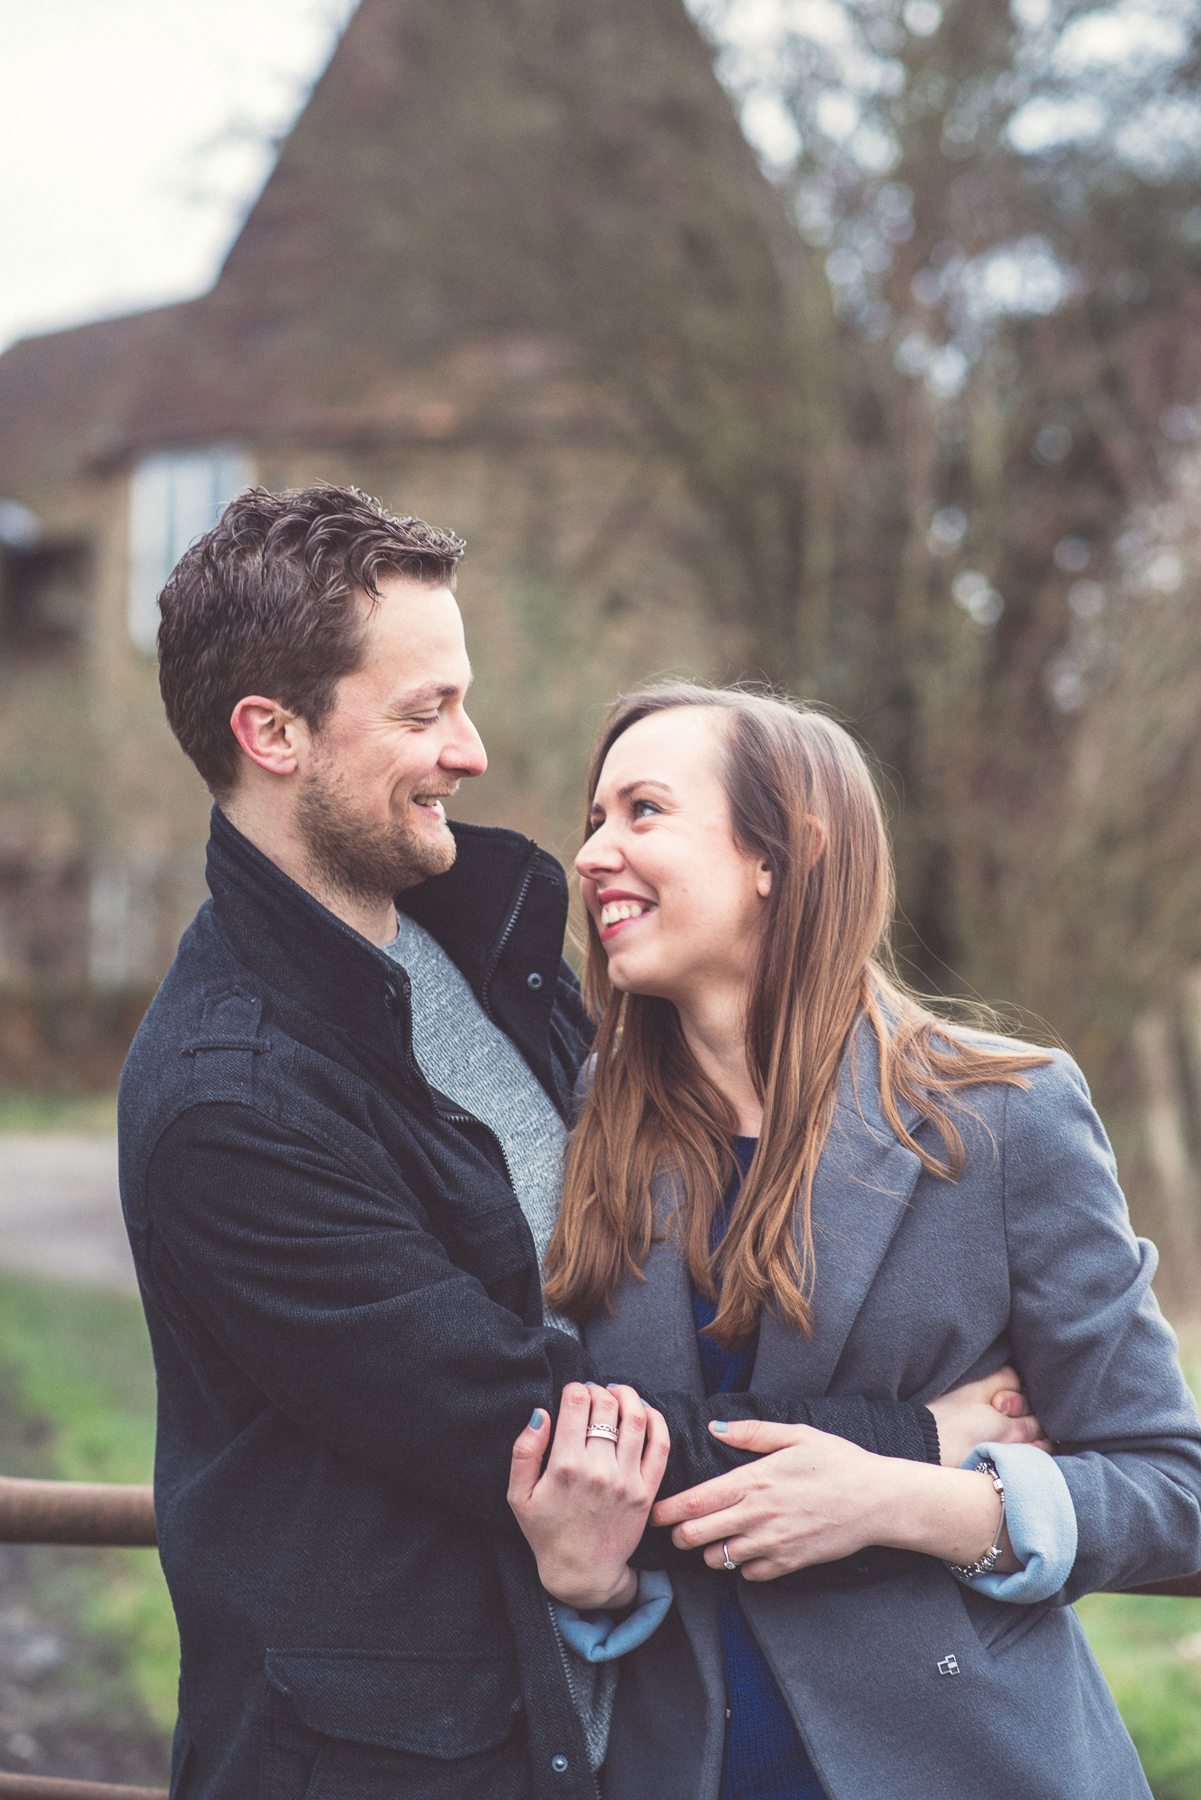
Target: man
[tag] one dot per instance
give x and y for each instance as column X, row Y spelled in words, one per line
column 328, row 1119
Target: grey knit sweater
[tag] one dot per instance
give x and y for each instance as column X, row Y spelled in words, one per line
column 470, row 1060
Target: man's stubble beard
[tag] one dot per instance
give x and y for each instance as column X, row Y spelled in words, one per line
column 367, row 864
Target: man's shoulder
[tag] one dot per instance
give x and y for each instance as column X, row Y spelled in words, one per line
column 209, row 1014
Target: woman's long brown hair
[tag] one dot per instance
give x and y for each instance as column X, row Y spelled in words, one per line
column 802, row 799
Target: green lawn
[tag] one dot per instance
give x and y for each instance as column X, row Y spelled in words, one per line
column 76, row 1366
column 49, row 1112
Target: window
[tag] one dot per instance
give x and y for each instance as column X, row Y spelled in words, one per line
column 174, row 497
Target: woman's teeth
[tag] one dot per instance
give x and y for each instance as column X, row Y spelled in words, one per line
column 617, row 910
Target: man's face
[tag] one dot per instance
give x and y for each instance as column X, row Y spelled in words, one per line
column 395, row 747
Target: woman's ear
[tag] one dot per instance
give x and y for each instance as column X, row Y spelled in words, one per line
column 763, row 881
column 817, row 840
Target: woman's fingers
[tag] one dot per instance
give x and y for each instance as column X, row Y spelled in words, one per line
column 571, row 1426
column 631, row 1423
column 710, row 1530
column 655, row 1451
column 529, row 1452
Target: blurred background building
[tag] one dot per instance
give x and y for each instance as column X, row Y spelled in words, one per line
column 901, row 412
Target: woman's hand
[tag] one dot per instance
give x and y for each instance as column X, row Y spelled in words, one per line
column 584, row 1506
column 992, row 1409
column 810, row 1499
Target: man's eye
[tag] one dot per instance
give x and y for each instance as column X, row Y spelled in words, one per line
column 424, row 718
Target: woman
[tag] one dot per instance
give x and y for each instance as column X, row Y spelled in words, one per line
column 787, row 1168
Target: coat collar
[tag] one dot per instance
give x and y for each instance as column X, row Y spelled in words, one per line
column 500, row 887
column 863, row 1186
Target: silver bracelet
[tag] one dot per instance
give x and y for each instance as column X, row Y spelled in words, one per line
column 984, row 1564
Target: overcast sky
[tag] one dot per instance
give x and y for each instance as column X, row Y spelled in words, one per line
column 133, row 135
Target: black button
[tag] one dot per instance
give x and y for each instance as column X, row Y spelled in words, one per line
column 534, row 981
column 391, row 996
column 560, row 1765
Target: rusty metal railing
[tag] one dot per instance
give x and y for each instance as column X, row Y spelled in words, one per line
column 85, row 1512
column 41, row 1787
column 74, row 1512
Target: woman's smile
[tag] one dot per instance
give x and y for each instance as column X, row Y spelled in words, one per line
column 618, row 909
column 661, row 848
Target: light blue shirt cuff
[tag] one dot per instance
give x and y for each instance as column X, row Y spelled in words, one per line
column 597, row 1637
column 1041, row 1520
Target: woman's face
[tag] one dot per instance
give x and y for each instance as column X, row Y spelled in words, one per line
column 678, row 905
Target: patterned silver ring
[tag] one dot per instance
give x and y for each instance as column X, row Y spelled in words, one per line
column 602, row 1431
column 727, row 1561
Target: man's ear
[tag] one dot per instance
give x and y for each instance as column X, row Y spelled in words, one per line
column 270, row 735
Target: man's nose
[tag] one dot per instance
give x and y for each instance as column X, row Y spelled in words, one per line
column 465, row 752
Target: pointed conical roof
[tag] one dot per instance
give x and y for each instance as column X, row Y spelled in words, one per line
column 510, row 179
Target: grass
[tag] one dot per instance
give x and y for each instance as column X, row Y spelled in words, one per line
column 1150, row 1651
column 75, row 1366
column 49, row 1112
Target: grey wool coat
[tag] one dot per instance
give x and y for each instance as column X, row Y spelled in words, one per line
column 921, row 1284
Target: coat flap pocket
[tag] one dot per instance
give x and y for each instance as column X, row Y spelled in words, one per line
column 442, row 1706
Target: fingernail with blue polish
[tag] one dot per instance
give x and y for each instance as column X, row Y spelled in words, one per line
column 536, row 1419
column 718, row 1425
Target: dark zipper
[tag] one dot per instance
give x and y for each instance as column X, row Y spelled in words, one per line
column 505, row 935
column 565, row 1659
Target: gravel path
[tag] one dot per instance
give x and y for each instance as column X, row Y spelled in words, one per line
column 60, row 1215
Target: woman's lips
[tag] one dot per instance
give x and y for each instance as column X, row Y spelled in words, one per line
column 622, row 911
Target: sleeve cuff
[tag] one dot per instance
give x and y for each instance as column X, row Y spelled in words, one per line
column 1041, row 1520
column 928, row 1426
column 597, row 1637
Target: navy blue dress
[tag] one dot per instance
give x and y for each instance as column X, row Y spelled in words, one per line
column 764, row 1757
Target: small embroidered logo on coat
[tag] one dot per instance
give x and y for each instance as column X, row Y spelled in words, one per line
column 948, row 1666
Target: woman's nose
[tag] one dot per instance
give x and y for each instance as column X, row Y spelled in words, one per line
column 599, row 855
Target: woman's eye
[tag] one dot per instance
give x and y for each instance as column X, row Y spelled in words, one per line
column 637, row 806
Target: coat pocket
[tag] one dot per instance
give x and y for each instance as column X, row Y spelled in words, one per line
column 1001, row 1624
column 365, row 1726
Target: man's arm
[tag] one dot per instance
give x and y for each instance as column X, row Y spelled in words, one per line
column 332, row 1293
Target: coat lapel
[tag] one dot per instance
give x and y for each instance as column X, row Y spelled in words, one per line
column 651, row 1335
column 863, row 1186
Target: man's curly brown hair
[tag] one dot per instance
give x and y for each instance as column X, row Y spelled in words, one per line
column 267, row 602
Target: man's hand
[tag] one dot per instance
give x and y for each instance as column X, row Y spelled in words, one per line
column 811, row 1499
column 585, row 1510
column 992, row 1409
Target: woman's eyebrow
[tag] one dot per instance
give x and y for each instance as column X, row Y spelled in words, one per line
column 631, row 787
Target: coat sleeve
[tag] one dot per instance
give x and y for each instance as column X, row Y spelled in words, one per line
column 296, row 1276
column 1098, row 1359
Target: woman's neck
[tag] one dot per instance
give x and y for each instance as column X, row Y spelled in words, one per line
column 715, row 1031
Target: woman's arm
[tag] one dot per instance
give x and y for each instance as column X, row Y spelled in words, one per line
column 815, row 1498
column 1099, row 1359
column 583, row 1506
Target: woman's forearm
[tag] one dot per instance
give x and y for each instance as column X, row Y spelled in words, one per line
column 948, row 1513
